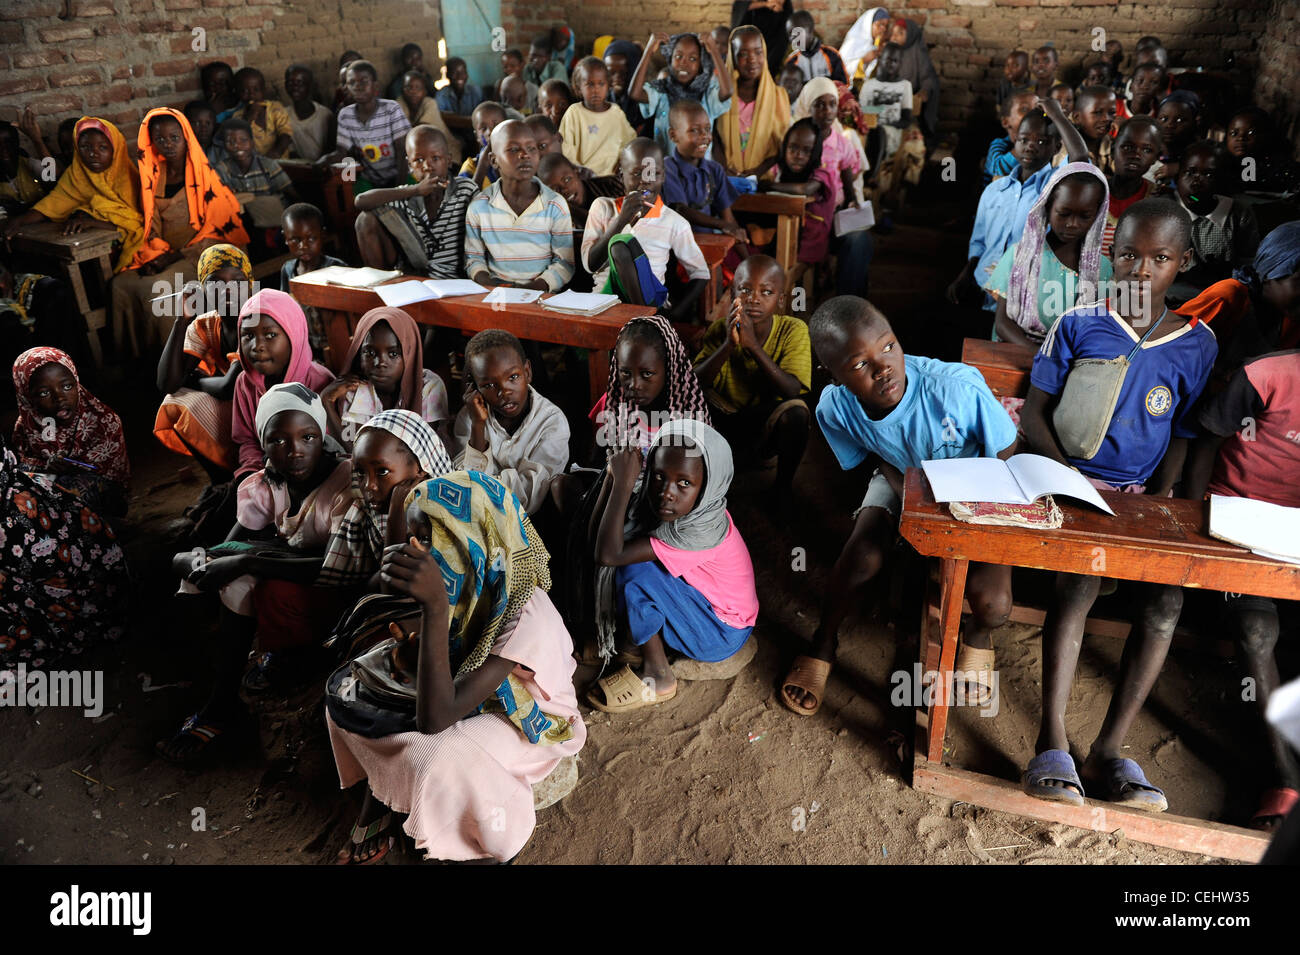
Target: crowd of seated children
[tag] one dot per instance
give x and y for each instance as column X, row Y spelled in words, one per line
column 1141, row 450
column 304, row 234
column 896, row 410
column 419, row 226
column 312, row 124
column 692, row 74
column 506, row 427
column 627, row 241
column 758, row 114
column 384, row 369
column 755, row 366
column 594, row 130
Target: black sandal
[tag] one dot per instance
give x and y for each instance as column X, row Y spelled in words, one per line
column 209, row 733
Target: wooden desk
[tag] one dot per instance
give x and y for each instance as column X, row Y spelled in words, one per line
column 93, row 244
column 340, row 307
column 714, row 246
column 340, row 200
column 1158, row 540
column 789, row 218
column 1004, row 365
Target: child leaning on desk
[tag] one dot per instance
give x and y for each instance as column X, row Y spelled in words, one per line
column 1142, row 451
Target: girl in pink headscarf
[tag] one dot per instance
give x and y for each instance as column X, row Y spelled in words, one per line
column 273, row 349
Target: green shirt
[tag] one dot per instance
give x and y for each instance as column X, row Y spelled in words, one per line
column 740, row 381
column 1054, row 281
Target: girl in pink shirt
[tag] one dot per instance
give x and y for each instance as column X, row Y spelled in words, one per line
column 819, row 101
column 687, row 583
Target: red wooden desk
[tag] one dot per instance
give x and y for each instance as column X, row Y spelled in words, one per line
column 714, row 246
column 789, row 212
column 597, row 333
column 1004, row 365
column 1158, row 540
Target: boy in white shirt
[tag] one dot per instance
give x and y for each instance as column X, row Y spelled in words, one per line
column 507, row 429
column 626, row 242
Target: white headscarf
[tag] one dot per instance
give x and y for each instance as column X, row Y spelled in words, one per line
column 289, row 396
column 707, row 523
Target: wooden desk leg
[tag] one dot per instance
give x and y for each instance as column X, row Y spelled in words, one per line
column 598, row 372
column 73, row 271
column 338, row 334
column 953, row 588
column 787, row 241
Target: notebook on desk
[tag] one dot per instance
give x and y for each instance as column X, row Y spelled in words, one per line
column 404, row 293
column 580, row 303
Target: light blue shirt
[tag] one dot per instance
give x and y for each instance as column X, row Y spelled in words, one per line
column 1000, row 220
column 449, row 102
column 946, row 411
column 658, row 107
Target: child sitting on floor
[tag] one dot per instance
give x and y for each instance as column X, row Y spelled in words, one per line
column 1056, row 263
column 691, row 75
column 304, row 227
column 268, row 119
column 285, row 514
column 311, row 123
column 1141, row 451
column 695, row 186
column 418, row 227
column 507, row 428
column 626, row 242
column 579, row 192
column 518, row 231
column 67, row 435
column 394, row 450
column 685, row 579
column 1137, row 149
column 199, row 365
column 273, row 349
column 594, row 130
column 383, row 369
column 1248, row 449
column 1225, row 235
column 755, row 367
column 899, row 411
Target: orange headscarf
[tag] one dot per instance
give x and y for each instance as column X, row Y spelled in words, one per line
column 214, row 210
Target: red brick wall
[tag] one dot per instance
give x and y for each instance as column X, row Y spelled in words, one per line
column 970, row 38
column 1277, row 88
column 119, row 58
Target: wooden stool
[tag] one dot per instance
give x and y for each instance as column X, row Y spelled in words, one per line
column 95, row 244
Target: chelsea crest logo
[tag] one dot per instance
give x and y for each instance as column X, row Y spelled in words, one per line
column 1159, row 400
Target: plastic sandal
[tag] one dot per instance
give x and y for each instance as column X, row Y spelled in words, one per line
column 1053, row 765
column 360, row 836
column 981, row 663
column 1127, row 785
column 624, row 692
column 810, row 675
column 1274, row 805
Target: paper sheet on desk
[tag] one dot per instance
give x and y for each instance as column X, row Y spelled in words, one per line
column 405, row 293
column 1269, row 530
column 512, row 296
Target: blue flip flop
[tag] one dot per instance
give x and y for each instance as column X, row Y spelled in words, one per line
column 1057, row 766
column 1127, row 785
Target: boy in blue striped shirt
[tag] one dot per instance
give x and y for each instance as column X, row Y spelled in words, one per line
column 518, row 231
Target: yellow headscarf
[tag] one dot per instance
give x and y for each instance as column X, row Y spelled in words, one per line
column 771, row 120
column 111, row 196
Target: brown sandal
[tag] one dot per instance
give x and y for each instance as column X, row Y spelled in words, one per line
column 810, row 675
column 624, row 691
column 973, row 660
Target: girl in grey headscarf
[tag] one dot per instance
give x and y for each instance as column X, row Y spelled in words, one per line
column 686, row 581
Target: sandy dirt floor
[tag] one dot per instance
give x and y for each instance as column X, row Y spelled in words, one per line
column 680, row 783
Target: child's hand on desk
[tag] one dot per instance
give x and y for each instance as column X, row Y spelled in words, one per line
column 624, row 466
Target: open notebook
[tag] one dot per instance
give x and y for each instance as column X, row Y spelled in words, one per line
column 404, row 293
column 1269, row 530
column 1021, row 480
column 353, row 278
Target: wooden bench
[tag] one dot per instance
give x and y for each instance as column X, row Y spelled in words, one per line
column 93, row 244
column 789, row 211
column 1004, row 365
column 1154, row 540
column 714, row 246
column 341, row 306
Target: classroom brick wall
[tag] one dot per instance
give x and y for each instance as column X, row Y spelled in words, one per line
column 1277, row 87
column 970, row 38
column 119, row 58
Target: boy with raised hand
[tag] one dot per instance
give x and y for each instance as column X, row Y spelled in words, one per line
column 694, row 185
column 1142, row 452
column 518, row 231
column 507, row 428
column 627, row 241
column 594, row 131
column 896, row 411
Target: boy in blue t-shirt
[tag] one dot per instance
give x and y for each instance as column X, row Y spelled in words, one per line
column 1142, row 452
column 898, row 411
